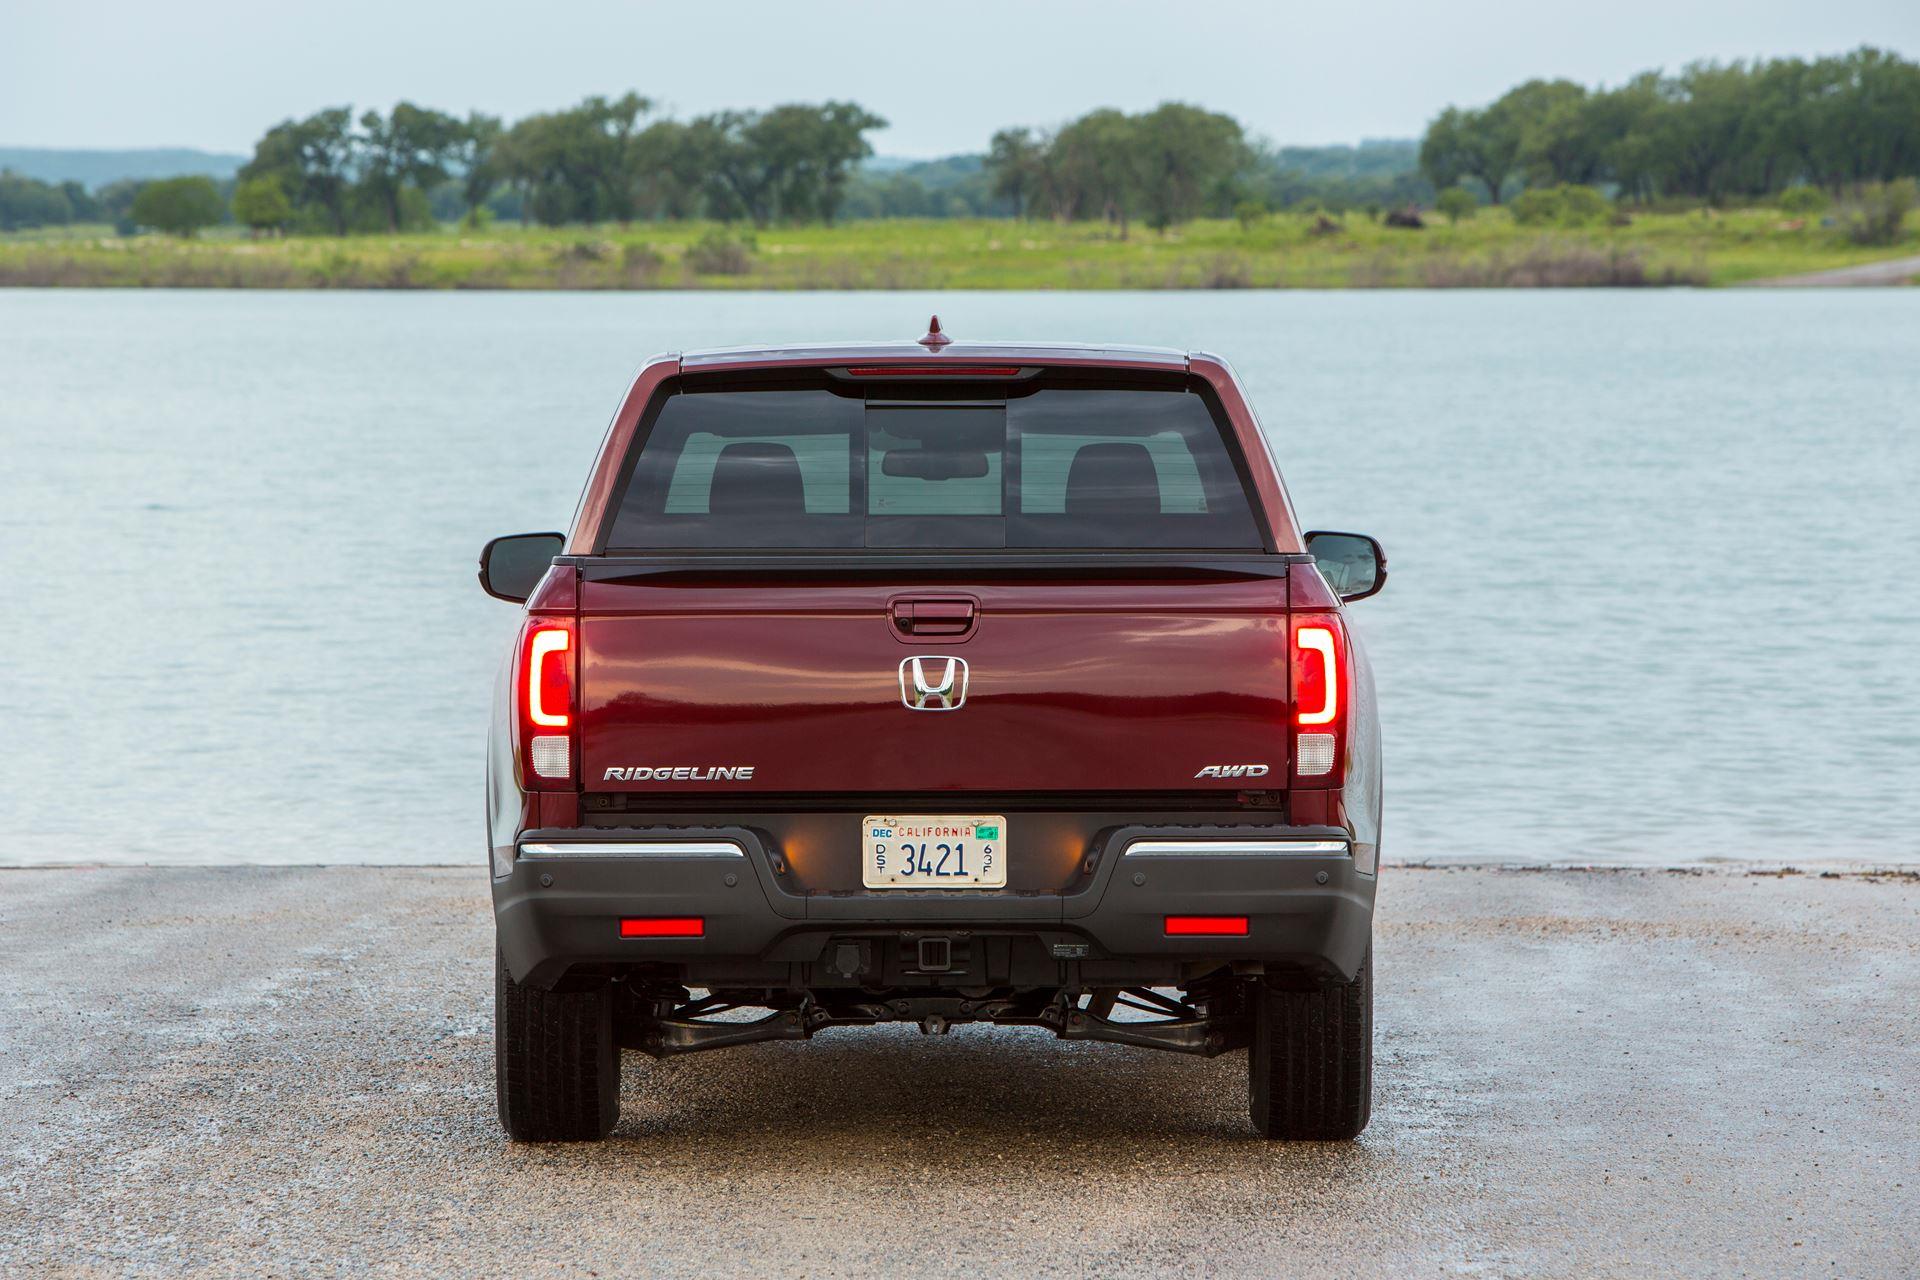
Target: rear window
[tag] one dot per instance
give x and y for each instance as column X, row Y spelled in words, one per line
column 1058, row 468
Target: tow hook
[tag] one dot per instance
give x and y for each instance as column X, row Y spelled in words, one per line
column 935, row 1024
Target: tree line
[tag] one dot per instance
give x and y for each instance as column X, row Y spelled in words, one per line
column 1713, row 132
column 599, row 161
column 1159, row 167
column 26, row 202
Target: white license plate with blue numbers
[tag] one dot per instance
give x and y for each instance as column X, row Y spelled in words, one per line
column 934, row 851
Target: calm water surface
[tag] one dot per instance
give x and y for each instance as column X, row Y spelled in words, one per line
column 1656, row 556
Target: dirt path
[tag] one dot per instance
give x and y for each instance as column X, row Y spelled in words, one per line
column 1894, row 271
column 1580, row 1074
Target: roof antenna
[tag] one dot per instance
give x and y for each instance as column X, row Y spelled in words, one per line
column 934, row 339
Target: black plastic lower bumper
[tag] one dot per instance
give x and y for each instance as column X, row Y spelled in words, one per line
column 560, row 909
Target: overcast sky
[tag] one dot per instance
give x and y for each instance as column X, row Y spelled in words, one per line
column 216, row 73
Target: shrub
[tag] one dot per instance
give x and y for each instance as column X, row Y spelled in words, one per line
column 1802, row 201
column 642, row 264
column 262, row 204
column 718, row 253
column 179, row 206
column 583, row 251
column 1228, row 271
column 1457, row 203
column 1248, row 212
column 1878, row 212
column 1550, row 264
column 1583, row 207
column 1566, row 205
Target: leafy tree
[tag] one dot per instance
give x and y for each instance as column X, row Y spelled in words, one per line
column 574, row 165
column 668, row 177
column 1713, row 132
column 1186, row 155
column 1621, row 122
column 27, row 202
column 84, row 206
column 1017, row 162
column 262, row 205
column 412, row 147
column 790, row 163
column 1557, row 139
column 1098, row 167
column 178, row 206
column 1698, row 148
column 313, row 158
column 1482, row 144
column 116, row 203
column 473, row 156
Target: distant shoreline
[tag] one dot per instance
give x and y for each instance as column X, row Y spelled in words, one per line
column 1276, row 251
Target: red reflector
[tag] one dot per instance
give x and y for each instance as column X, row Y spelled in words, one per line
column 663, row 927
column 1206, row 926
column 934, row 370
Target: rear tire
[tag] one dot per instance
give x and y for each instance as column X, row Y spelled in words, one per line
column 556, row 1068
column 1310, row 1071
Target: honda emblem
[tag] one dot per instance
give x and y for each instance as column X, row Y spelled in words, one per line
column 933, row 682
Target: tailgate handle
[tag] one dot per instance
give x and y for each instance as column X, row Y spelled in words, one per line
column 933, row 617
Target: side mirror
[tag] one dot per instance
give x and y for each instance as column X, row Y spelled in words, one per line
column 511, row 567
column 1352, row 563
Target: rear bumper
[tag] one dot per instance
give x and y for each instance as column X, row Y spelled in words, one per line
column 1306, row 908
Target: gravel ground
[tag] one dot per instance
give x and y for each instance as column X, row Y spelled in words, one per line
column 289, row 1071
column 1892, row 271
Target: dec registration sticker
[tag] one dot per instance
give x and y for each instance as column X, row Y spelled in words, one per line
column 934, row 851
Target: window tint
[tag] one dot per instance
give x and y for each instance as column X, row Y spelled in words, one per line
column 930, row 460
column 823, row 460
column 752, row 469
column 1058, row 468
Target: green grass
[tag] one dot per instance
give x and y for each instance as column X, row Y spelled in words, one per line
column 1280, row 251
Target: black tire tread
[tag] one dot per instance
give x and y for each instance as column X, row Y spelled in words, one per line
column 556, row 1070
column 1310, row 1070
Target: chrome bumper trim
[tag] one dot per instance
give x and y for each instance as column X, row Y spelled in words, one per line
column 1237, row 848
column 634, row 849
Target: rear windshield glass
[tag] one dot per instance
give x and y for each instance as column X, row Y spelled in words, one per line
column 1058, row 468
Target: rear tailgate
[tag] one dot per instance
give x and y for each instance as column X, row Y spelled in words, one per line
column 757, row 682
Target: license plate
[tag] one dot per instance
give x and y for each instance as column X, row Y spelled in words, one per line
column 934, row 851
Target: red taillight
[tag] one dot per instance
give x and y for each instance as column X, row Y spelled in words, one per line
column 544, row 686
column 663, row 927
column 933, row 370
column 1206, row 926
column 550, row 678
column 1316, row 687
column 1318, row 665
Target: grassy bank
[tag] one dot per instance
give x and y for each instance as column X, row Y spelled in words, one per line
column 1279, row 251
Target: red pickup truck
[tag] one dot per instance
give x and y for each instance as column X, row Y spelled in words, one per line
column 934, row 682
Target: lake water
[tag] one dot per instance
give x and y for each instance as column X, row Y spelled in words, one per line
column 1655, row 588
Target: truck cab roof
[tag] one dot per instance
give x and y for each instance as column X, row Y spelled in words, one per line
column 959, row 353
